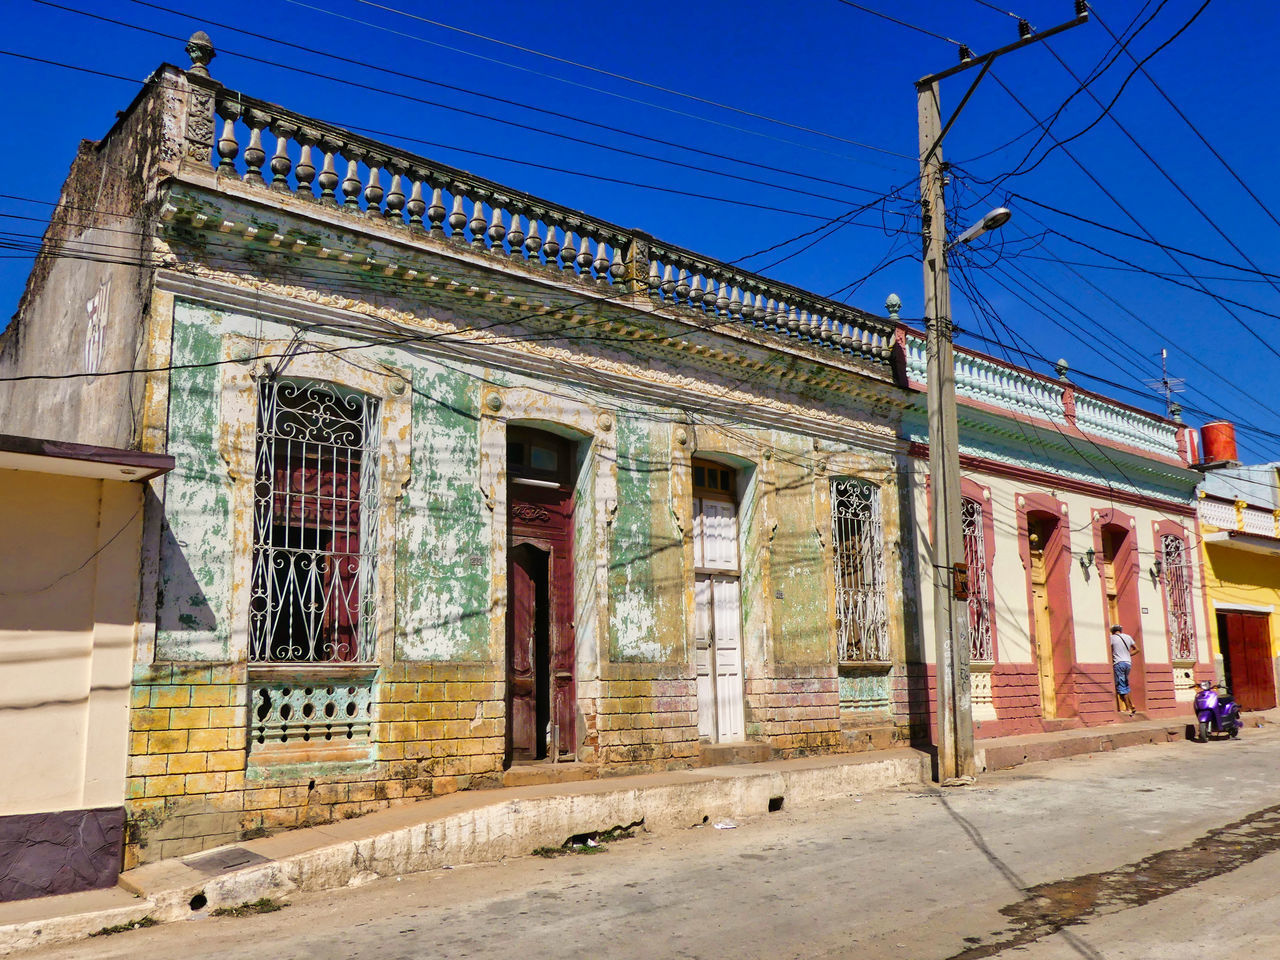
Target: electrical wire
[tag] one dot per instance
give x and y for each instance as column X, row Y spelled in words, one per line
column 901, row 23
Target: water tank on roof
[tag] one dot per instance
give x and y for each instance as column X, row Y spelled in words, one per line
column 1219, row 441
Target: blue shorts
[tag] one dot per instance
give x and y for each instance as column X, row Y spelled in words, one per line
column 1122, row 677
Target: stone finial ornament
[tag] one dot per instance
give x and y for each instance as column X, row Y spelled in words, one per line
column 893, row 304
column 1175, row 411
column 200, row 50
column 1061, row 368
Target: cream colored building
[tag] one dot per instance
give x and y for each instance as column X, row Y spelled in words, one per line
column 1078, row 515
column 72, row 521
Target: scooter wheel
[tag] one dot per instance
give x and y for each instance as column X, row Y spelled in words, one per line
column 1235, row 732
column 1204, row 731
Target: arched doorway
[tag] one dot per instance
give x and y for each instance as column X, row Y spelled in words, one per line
column 541, row 698
column 1048, row 573
column 1120, row 572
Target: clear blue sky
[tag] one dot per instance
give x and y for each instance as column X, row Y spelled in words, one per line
column 842, row 73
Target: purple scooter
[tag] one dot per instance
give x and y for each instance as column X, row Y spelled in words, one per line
column 1215, row 712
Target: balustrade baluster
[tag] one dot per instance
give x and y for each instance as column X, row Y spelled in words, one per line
column 228, row 146
column 416, row 206
column 760, row 311
column 497, row 230
column 254, row 155
column 568, row 252
column 584, row 257
column 395, row 197
column 695, row 292
column 735, row 303
column 793, row 321
column 351, row 183
column 806, row 328
column 373, row 193
column 457, row 218
column 477, row 225
column 722, row 300
column 601, row 263
column 533, row 242
column 552, row 246
column 515, row 237
column 668, row 280
column 682, row 286
column 280, row 162
column 655, row 280
column 435, row 212
column 305, row 172
column 328, row 178
column 771, row 313
column 846, row 336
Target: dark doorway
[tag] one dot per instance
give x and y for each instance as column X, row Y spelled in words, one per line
column 528, row 653
column 1245, row 641
column 541, row 696
column 1120, row 574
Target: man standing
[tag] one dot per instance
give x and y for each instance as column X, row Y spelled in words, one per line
column 1123, row 648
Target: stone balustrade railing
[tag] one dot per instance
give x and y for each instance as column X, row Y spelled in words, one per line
column 264, row 144
column 1125, row 425
column 1239, row 516
column 988, row 381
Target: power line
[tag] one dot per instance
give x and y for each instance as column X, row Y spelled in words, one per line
column 619, row 76
column 507, row 64
column 465, row 111
column 901, row 23
column 1203, row 139
column 571, row 117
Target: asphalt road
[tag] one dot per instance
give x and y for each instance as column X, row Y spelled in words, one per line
column 1153, row 852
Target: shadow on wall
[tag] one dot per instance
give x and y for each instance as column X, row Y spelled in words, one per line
column 183, row 610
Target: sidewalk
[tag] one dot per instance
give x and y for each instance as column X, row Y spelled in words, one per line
column 489, row 825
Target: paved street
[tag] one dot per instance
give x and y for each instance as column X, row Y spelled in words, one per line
column 901, row 874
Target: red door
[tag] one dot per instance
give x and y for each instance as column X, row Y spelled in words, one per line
column 1245, row 639
column 541, row 695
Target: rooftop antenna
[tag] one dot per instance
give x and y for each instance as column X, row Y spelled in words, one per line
column 1167, row 385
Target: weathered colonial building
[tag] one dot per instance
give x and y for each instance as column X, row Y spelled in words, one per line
column 1077, row 514
column 466, row 479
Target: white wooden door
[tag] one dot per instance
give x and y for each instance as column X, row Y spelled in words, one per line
column 717, row 622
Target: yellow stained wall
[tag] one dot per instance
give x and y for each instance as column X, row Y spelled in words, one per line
column 1241, row 578
column 68, row 603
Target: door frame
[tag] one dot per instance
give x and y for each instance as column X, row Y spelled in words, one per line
column 1222, row 616
column 1057, row 555
column 1128, row 603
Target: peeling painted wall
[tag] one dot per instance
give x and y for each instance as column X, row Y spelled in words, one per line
column 442, row 559
column 645, row 562
column 196, row 550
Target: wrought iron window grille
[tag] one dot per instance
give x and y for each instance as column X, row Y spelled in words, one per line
column 981, row 610
column 312, row 597
column 857, row 540
column 1177, row 595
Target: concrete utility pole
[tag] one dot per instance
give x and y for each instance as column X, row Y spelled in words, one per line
column 950, row 572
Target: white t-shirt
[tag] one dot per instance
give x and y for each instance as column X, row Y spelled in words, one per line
column 1121, row 645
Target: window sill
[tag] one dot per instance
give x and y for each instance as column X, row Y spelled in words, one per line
column 311, row 672
column 847, row 667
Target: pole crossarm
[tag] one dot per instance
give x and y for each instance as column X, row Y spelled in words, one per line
column 990, row 56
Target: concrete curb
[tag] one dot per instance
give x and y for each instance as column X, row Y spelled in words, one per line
column 461, row 829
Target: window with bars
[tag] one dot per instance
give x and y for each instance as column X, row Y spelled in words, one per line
column 315, row 511
column 1177, row 597
column 857, row 538
column 981, row 611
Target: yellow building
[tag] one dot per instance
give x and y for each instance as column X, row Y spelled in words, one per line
column 1240, row 537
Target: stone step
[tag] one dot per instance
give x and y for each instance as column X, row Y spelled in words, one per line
column 721, row 754
column 532, row 774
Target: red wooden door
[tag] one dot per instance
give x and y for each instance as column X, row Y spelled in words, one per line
column 540, row 523
column 526, row 629
column 1246, row 646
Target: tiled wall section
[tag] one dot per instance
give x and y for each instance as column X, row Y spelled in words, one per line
column 797, row 714
column 650, row 723
column 438, row 727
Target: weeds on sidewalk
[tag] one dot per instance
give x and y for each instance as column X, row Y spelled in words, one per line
column 265, row 905
column 588, row 843
column 147, row 921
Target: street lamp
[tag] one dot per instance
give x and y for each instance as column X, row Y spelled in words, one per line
column 994, row 220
